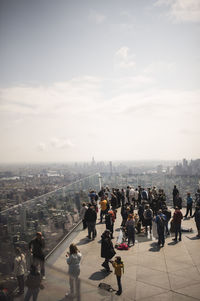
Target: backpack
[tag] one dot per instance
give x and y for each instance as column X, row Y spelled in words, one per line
column 122, row 246
column 106, row 287
column 108, row 219
column 161, row 222
column 148, row 214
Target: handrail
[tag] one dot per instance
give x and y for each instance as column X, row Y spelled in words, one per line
column 49, row 193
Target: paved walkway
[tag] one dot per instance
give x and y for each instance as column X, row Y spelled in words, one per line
column 171, row 273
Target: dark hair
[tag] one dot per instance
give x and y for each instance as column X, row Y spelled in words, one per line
column 18, row 251
column 118, row 259
column 33, row 270
column 73, row 249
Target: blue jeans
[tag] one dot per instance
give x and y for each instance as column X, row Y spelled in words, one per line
column 161, row 236
column 119, row 284
column 31, row 292
column 177, row 229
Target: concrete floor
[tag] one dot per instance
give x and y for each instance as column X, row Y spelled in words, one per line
column 171, row 273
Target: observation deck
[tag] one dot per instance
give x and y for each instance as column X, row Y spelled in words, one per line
column 169, row 273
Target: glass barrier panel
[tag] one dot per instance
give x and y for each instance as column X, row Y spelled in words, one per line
column 54, row 214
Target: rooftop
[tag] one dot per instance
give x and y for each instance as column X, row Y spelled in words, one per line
column 171, row 273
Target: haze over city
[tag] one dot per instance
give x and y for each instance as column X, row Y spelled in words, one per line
column 110, row 79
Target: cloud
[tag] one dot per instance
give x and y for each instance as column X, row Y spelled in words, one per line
column 182, row 10
column 61, row 143
column 41, row 147
column 123, row 59
column 97, row 17
column 69, row 120
column 76, row 95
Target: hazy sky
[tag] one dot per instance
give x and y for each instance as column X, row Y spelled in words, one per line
column 113, row 79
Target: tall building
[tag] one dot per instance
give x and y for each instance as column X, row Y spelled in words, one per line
column 110, row 167
column 185, row 163
column 93, row 162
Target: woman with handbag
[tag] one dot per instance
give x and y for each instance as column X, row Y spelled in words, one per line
column 107, row 249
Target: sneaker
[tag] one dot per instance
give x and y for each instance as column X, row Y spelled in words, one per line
column 67, row 295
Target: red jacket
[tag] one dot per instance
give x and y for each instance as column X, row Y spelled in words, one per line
column 177, row 217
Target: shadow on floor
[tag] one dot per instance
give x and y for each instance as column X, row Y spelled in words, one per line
column 154, row 247
column 172, row 243
column 83, row 241
column 99, row 275
column 193, row 238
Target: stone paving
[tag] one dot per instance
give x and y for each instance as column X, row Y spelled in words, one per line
column 171, row 273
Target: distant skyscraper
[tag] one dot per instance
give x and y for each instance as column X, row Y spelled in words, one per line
column 185, row 163
column 93, row 161
column 159, row 169
column 110, row 167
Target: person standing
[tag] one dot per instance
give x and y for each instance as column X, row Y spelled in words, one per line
column 113, row 201
column 135, row 198
column 104, row 206
column 130, row 227
column 90, row 218
column 197, row 219
column 160, row 221
column 82, row 215
column 177, row 218
column 148, row 216
column 119, row 269
column 189, row 205
column 107, row 249
column 110, row 220
column 73, row 260
column 19, row 269
column 131, row 195
column 36, row 246
column 167, row 212
column 33, row 282
column 175, row 193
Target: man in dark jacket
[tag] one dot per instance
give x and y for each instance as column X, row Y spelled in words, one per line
column 168, row 214
column 161, row 221
column 197, row 219
column 107, row 249
column 36, row 246
column 189, row 205
column 90, row 218
column 175, row 193
column 177, row 218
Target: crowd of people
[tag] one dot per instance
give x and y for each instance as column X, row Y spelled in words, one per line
column 142, row 211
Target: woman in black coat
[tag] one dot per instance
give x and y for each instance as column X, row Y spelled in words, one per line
column 107, row 250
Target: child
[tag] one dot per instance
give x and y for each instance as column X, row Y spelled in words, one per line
column 119, row 269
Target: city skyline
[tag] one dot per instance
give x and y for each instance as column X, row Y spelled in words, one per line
column 117, row 80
